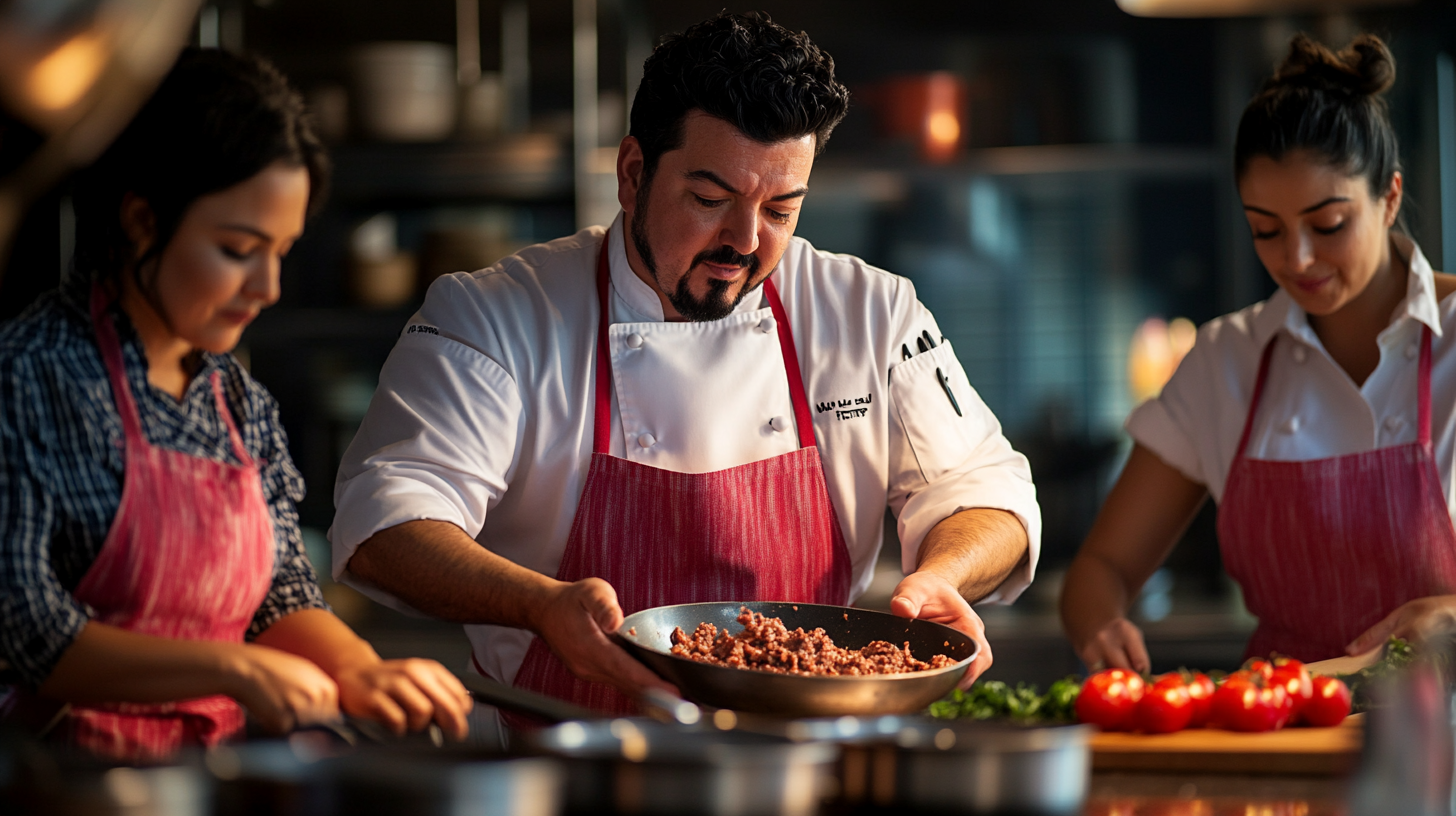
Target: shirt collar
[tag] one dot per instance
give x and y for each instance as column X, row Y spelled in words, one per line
column 75, row 293
column 1281, row 312
column 634, row 293
column 1420, row 298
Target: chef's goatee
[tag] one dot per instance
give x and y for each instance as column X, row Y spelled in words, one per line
column 718, row 303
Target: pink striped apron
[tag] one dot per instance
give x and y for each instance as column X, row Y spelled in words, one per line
column 1324, row 549
column 189, row 556
column 757, row 532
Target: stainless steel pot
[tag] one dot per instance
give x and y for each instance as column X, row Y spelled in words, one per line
column 55, row 780
column 642, row 766
column 438, row 783
column 296, row 777
column 922, row 764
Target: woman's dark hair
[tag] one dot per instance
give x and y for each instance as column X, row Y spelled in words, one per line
column 1329, row 104
column 768, row 82
column 217, row 120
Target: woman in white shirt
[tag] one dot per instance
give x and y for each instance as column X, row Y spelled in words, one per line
column 1321, row 420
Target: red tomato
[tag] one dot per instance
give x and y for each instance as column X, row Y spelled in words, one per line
column 1244, row 703
column 1165, row 707
column 1200, row 691
column 1329, row 705
column 1259, row 666
column 1294, row 677
column 1109, row 699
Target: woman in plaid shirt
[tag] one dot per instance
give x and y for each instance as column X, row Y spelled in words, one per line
column 153, row 582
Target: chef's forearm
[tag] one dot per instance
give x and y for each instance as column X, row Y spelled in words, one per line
column 436, row 568
column 975, row 550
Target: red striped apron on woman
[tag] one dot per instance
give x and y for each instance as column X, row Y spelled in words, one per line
column 1324, row 549
column 189, row 556
column 764, row 531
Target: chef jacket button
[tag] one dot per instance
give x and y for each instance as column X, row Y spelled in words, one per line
column 1393, row 424
column 1290, row 425
column 634, row 340
column 646, row 440
column 778, row 423
column 1411, row 351
column 766, row 325
column 1300, row 353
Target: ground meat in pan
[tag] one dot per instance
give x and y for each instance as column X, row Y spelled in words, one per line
column 767, row 645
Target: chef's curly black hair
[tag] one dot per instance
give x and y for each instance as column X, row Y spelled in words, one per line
column 1329, row 104
column 216, row 120
column 769, row 82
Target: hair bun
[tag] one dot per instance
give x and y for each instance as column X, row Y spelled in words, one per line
column 1365, row 68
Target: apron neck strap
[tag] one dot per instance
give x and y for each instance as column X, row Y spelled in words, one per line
column 602, row 430
column 1423, row 387
column 239, row 450
column 131, row 422
column 602, row 427
column 1423, row 392
column 110, row 345
column 803, row 420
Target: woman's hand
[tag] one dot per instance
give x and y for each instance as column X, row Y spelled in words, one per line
column 406, row 695
column 576, row 620
column 1118, row 645
column 925, row 595
column 1416, row 621
column 283, row 691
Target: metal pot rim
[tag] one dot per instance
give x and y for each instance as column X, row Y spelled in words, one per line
column 927, row 734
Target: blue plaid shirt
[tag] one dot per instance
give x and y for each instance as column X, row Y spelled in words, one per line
column 62, row 457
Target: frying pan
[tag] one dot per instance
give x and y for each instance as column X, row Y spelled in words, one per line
column 646, row 635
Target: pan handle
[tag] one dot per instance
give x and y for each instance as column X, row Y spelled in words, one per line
column 660, row 704
column 522, row 701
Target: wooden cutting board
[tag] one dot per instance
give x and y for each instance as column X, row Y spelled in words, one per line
column 1312, row 751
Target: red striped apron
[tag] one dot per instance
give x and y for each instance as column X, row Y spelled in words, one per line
column 189, row 556
column 1324, row 549
column 764, row 531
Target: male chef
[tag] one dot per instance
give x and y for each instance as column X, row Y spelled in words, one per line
column 689, row 405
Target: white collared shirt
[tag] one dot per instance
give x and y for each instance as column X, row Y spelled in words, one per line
column 483, row 415
column 1310, row 409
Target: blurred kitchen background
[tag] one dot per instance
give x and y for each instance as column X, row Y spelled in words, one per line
column 1054, row 176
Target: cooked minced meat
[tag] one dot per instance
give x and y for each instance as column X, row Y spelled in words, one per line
column 767, row 645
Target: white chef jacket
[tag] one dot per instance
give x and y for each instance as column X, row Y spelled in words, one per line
column 1310, row 409
column 483, row 415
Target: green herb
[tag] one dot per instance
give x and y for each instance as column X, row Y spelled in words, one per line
column 1061, row 699
column 1398, row 654
column 994, row 699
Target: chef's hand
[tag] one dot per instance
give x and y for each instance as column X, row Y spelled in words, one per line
column 924, row 595
column 406, row 695
column 283, row 691
column 1416, row 621
column 576, row 620
column 1118, row 645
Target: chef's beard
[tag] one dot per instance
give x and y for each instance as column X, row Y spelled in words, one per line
column 716, row 305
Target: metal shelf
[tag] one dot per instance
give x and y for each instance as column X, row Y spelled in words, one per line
column 305, row 326
column 527, row 167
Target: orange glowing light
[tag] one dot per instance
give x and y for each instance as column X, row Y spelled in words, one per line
column 943, row 129
column 63, row 76
column 1154, row 354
